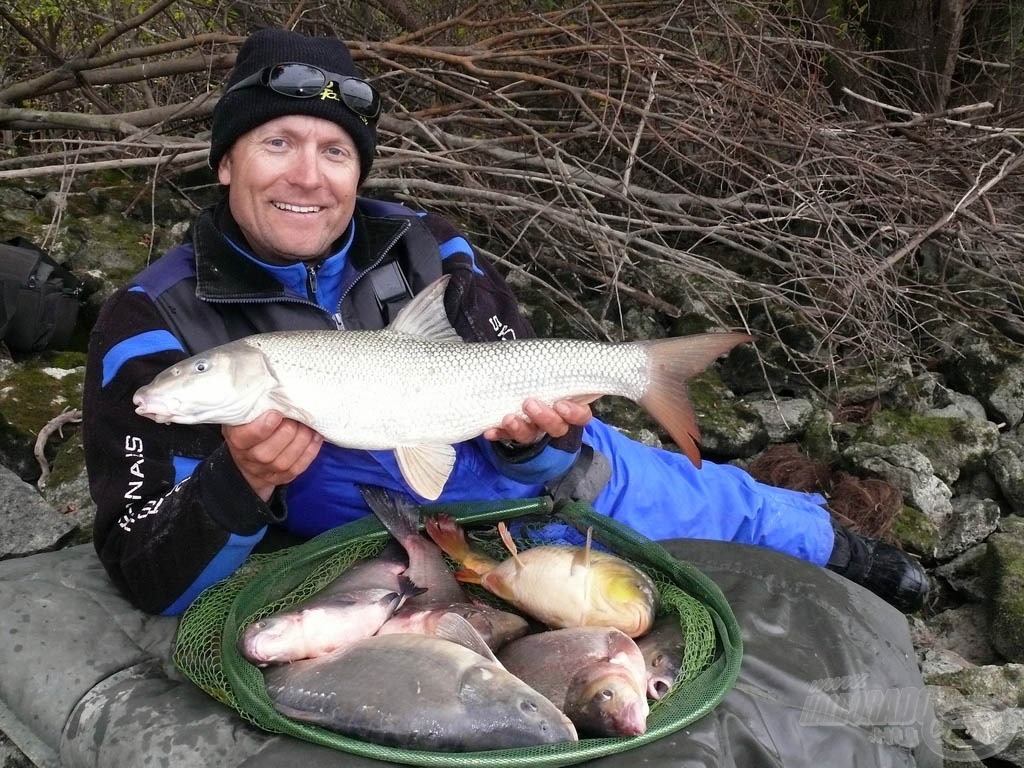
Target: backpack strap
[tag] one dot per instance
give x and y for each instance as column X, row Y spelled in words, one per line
column 391, row 289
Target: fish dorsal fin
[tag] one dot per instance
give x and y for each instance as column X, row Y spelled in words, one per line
column 582, row 557
column 582, row 560
column 425, row 315
column 457, row 629
column 426, row 467
column 510, row 545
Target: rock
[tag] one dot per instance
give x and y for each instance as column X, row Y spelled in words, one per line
column 1006, row 464
column 966, row 573
column 990, row 369
column 981, row 705
column 951, row 444
column 27, row 523
column 911, row 471
column 971, row 522
column 963, row 630
column 784, row 419
column 729, row 427
column 1005, row 564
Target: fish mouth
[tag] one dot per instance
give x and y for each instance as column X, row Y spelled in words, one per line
column 659, row 686
column 159, row 409
column 632, row 720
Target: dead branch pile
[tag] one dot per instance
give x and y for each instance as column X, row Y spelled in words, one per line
column 675, row 157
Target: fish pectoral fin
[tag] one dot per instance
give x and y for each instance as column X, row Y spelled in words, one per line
column 457, row 629
column 288, row 409
column 426, row 468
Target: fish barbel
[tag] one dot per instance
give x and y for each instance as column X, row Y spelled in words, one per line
column 419, row 692
column 562, row 586
column 416, row 388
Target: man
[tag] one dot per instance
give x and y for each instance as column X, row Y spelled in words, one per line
column 293, row 247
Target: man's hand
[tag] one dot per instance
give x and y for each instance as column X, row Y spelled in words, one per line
column 554, row 420
column 271, row 450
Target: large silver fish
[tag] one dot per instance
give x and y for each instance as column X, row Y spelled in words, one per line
column 417, row 388
column 419, row 692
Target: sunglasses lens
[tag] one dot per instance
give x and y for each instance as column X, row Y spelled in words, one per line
column 296, row 80
column 360, row 97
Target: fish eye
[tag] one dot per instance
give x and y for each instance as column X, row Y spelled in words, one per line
column 606, row 695
column 201, row 366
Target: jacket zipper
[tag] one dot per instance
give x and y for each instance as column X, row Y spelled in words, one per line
column 311, row 282
column 338, row 321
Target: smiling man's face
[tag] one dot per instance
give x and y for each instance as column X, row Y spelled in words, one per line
column 292, row 186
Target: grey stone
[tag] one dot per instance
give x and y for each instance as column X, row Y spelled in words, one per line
column 28, row 524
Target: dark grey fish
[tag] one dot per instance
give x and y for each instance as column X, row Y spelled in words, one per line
column 662, row 648
column 429, row 569
column 419, row 692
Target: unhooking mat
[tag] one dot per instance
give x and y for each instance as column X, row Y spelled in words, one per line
column 86, row 680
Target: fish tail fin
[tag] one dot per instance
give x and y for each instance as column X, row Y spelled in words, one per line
column 672, row 362
column 407, row 589
column 399, row 515
column 451, row 538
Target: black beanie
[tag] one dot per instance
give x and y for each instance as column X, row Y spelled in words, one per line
column 242, row 110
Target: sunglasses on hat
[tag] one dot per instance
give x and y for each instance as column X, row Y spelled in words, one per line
column 304, row 81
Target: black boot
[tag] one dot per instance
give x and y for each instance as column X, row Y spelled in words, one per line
column 889, row 572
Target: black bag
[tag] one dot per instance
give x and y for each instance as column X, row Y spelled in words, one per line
column 38, row 298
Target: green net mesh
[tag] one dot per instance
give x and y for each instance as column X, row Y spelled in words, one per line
column 206, row 649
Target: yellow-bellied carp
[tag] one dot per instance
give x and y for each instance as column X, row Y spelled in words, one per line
column 562, row 586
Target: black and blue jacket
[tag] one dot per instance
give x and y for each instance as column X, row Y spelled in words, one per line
column 174, row 515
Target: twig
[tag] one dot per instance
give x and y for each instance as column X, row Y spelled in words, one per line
column 53, row 425
column 972, row 195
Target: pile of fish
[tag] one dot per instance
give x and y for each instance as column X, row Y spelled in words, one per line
column 395, row 651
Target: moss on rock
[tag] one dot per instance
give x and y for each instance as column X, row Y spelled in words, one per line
column 916, row 532
column 1005, row 561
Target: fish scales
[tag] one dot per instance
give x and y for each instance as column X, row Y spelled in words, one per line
column 389, row 382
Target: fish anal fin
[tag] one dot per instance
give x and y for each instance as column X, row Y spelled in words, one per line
column 467, row 576
column 425, row 315
column 672, row 362
column 426, row 467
